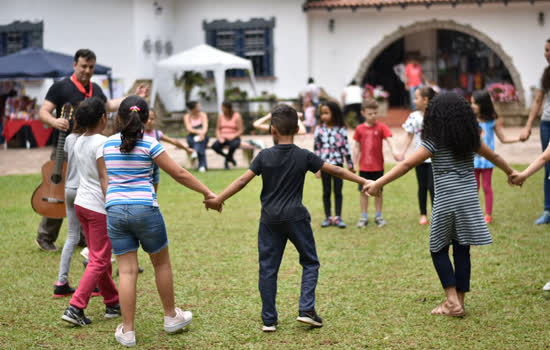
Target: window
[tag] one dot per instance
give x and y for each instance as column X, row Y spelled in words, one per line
column 252, row 40
column 20, row 35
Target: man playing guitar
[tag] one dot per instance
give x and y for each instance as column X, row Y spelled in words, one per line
column 74, row 90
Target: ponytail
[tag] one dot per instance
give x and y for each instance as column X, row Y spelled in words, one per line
column 133, row 114
column 131, row 132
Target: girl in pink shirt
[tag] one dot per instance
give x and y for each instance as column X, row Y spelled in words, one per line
column 229, row 129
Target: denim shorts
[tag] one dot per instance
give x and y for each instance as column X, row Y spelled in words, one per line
column 129, row 225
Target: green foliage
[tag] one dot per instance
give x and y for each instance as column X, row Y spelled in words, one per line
column 188, row 80
column 376, row 287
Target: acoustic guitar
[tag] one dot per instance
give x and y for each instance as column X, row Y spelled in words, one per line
column 49, row 197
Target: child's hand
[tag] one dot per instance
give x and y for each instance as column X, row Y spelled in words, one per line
column 372, row 189
column 517, row 178
column 211, row 201
column 352, row 170
column 318, row 174
column 398, row 157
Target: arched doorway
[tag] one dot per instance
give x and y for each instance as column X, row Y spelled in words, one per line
column 377, row 66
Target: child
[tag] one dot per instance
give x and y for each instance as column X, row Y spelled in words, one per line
column 368, row 154
column 331, row 145
column 72, row 180
column 196, row 123
column 413, row 127
column 283, row 168
column 451, row 137
column 309, row 113
column 133, row 217
column 89, row 206
column 159, row 136
column 490, row 125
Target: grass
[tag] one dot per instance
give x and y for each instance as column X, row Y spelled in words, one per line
column 376, row 287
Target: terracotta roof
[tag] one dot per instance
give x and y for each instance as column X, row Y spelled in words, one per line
column 354, row 4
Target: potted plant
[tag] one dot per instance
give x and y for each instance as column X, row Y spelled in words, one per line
column 506, row 102
column 380, row 95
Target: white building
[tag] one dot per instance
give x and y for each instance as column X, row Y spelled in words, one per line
column 333, row 41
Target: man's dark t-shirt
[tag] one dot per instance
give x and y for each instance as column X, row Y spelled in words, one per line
column 65, row 91
column 283, row 169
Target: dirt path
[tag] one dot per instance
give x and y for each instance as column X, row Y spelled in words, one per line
column 29, row 161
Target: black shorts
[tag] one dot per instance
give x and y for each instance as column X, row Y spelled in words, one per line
column 370, row 175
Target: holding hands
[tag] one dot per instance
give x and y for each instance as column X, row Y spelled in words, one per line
column 372, row 188
column 517, row 178
column 211, row 201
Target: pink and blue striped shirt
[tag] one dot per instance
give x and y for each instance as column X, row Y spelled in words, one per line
column 131, row 174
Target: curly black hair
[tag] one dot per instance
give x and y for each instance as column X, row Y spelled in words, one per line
column 133, row 114
column 89, row 112
column 336, row 113
column 486, row 108
column 449, row 121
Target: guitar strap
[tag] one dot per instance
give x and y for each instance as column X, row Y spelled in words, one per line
column 81, row 88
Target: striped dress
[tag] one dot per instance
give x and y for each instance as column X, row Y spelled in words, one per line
column 131, row 174
column 456, row 213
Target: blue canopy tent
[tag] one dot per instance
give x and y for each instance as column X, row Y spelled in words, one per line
column 39, row 63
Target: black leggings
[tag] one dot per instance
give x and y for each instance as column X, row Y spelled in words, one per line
column 460, row 276
column 327, row 184
column 233, row 145
column 425, row 178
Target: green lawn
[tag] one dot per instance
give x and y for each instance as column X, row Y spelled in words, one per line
column 376, row 286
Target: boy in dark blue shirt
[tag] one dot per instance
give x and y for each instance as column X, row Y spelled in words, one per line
column 283, row 168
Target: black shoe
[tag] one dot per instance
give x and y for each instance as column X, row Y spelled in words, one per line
column 46, row 246
column 226, row 164
column 62, row 290
column 75, row 316
column 112, row 311
column 232, row 161
column 311, row 318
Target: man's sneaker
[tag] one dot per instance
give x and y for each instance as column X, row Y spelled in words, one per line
column 363, row 222
column 46, row 246
column 62, row 290
column 112, row 311
column 125, row 338
column 75, row 316
column 546, row 286
column 327, row 222
column 311, row 318
column 338, row 222
column 379, row 221
column 271, row 327
column 181, row 320
column 544, row 218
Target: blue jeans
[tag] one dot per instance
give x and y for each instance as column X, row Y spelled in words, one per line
column 129, row 225
column 544, row 139
column 272, row 240
column 199, row 147
column 412, row 90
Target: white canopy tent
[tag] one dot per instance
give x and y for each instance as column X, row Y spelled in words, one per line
column 201, row 58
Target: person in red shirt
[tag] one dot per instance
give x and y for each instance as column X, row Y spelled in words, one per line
column 413, row 79
column 368, row 154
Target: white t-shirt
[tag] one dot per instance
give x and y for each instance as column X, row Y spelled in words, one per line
column 413, row 125
column 314, row 92
column 87, row 150
column 73, row 179
column 353, row 95
column 545, row 104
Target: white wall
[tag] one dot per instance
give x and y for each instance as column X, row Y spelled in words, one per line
column 336, row 56
column 290, row 36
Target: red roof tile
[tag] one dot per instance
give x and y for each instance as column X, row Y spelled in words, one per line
column 354, row 4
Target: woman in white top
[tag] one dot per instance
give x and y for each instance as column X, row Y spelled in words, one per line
column 352, row 99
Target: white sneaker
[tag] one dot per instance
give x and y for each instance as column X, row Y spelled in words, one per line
column 194, row 155
column 546, row 286
column 202, row 169
column 85, row 252
column 181, row 320
column 126, row 339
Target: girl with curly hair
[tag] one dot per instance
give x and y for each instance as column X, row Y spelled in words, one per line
column 490, row 126
column 451, row 137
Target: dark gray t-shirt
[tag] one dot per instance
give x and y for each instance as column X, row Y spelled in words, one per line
column 283, row 169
